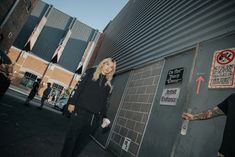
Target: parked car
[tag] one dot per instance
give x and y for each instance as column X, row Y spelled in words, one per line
column 61, row 103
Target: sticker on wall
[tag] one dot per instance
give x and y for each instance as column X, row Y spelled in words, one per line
column 222, row 73
column 126, row 144
column 174, row 76
column 170, row 96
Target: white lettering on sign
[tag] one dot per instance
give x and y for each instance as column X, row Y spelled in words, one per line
column 170, row 96
column 174, row 76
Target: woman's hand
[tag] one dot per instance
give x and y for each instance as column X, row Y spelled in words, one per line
column 71, row 108
column 105, row 123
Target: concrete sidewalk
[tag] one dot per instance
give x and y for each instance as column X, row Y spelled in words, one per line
column 22, row 91
column 35, row 101
column 29, row 132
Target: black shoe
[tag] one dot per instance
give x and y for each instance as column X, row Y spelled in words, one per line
column 39, row 107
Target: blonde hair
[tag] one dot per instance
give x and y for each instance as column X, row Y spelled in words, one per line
column 98, row 71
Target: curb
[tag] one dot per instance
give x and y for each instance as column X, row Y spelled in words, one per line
column 21, row 91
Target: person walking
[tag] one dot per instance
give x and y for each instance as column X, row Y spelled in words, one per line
column 88, row 105
column 46, row 95
column 227, row 108
column 33, row 91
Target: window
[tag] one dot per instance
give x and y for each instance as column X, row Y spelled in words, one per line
column 28, row 79
column 56, row 89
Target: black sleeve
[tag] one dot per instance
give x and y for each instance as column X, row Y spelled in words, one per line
column 106, row 102
column 36, row 86
column 73, row 98
column 224, row 105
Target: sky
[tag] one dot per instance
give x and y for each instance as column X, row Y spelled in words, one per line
column 95, row 13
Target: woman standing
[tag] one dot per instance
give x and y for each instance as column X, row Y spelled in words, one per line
column 87, row 103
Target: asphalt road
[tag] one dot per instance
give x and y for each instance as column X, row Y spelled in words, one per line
column 30, row 132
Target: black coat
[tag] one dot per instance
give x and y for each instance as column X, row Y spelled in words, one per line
column 91, row 95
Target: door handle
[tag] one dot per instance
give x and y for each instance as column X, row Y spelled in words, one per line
column 185, row 123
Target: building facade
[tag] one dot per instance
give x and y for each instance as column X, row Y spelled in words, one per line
column 172, row 57
column 53, row 46
column 168, row 54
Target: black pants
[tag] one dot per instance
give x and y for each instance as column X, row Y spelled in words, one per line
column 30, row 97
column 82, row 124
column 43, row 99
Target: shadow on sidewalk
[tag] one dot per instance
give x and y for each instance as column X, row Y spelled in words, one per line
column 29, row 132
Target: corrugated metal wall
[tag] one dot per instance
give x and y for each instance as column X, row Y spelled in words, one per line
column 74, row 49
column 51, row 34
column 147, row 30
column 32, row 21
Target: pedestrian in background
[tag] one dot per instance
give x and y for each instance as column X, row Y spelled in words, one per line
column 227, row 108
column 46, row 95
column 53, row 95
column 88, row 105
column 33, row 91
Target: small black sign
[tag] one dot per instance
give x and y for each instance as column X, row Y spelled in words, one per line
column 174, row 76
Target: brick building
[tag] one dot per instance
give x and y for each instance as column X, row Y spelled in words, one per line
column 52, row 46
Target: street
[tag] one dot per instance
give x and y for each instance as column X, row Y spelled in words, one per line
column 30, row 132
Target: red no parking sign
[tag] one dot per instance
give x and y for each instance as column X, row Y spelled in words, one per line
column 222, row 73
